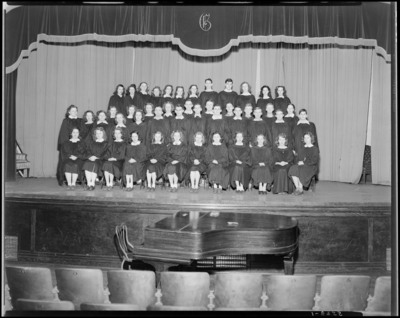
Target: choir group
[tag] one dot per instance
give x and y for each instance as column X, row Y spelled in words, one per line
column 227, row 137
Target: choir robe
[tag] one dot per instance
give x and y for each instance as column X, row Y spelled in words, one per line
column 129, row 121
column 188, row 116
column 125, row 133
column 247, row 120
column 176, row 152
column 66, row 128
column 235, row 126
column 298, row 132
column 167, row 99
column 68, row 149
column 239, row 172
column 217, row 173
column 156, row 101
column 292, row 121
column 169, row 119
column 111, row 122
column 195, row 100
column 135, row 169
column 262, row 103
column 228, row 119
column 158, row 125
column 310, row 157
column 160, row 153
column 98, row 149
column 225, row 98
column 85, row 133
column 141, row 129
column 281, row 128
column 183, row 125
column 206, row 96
column 269, row 121
column 179, row 101
column 242, row 100
column 197, row 124
column 199, row 153
column 282, row 103
column 142, row 100
column 128, row 101
column 220, row 126
column 282, row 183
column 259, row 127
column 118, row 102
column 208, row 115
column 149, row 118
column 262, row 174
column 116, row 150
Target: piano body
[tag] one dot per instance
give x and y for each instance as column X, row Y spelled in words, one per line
column 22, row 162
column 188, row 236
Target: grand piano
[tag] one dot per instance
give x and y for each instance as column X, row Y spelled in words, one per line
column 188, row 236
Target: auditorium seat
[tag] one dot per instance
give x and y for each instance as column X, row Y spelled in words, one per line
column 343, row 293
column 290, row 292
column 176, row 308
column 29, row 283
column 96, row 307
column 132, row 287
column 80, row 285
column 381, row 300
column 238, row 290
column 189, row 289
column 31, row 304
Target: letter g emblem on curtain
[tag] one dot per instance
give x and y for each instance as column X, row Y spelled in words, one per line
column 205, row 25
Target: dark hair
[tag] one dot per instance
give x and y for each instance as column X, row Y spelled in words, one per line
column 210, row 100
column 99, row 112
column 248, row 104
column 123, row 117
column 147, row 88
column 69, row 108
column 269, row 92
column 165, row 88
column 228, row 80
column 180, row 134
column 162, row 137
column 133, row 132
column 168, row 102
column 283, row 136
column 303, row 110
column 121, row 130
column 294, row 108
column 311, row 136
column 201, row 108
column 85, row 113
column 127, row 109
column 138, row 111
column 127, row 90
column 183, row 91
column 264, row 142
column 179, row 105
column 218, row 106
column 208, row 79
column 188, row 100
column 152, row 107
column 116, row 89
column 276, row 91
column 108, row 111
column 70, row 132
column 279, row 110
column 197, row 90
column 236, row 133
column 152, row 91
column 102, row 130
column 255, row 108
column 241, row 87
column 213, row 134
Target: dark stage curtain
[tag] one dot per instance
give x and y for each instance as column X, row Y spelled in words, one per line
column 9, row 126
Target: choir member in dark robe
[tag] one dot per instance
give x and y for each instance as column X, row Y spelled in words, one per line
column 290, row 116
column 142, row 96
column 239, row 164
column 70, row 121
column 217, row 163
column 149, row 112
column 101, row 121
column 157, row 156
column 227, row 95
column 258, row 127
column 262, row 163
column 130, row 111
column 188, row 113
column 216, row 123
column 117, row 99
column 158, row 123
column 283, row 160
column 168, row 109
column 279, row 126
column 264, row 98
column 208, row 94
column 120, row 122
column 245, row 97
column 237, row 125
column 208, row 112
column 111, row 113
column 130, row 96
column 114, row 159
column 72, row 155
column 197, row 124
column 135, row 158
column 269, row 117
column 303, row 126
column 167, row 94
column 248, row 114
column 193, row 94
column 307, row 164
column 139, row 126
column 95, row 154
column 179, row 96
column 156, row 98
column 175, row 169
column 228, row 117
column 181, row 123
column 196, row 160
column 281, row 101
column 87, row 126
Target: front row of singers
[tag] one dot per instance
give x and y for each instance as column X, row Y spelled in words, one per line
column 176, row 162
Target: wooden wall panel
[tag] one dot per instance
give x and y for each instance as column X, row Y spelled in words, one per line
column 382, row 239
column 18, row 223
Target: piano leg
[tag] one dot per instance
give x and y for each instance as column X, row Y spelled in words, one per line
column 288, row 263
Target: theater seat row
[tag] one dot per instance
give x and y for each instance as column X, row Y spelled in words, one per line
column 136, row 290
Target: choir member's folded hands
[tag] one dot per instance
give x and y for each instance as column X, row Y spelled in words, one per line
column 112, row 159
column 239, row 162
column 300, row 163
column 196, row 162
column 215, row 161
column 132, row 160
column 153, row 160
column 262, row 164
column 72, row 157
column 93, row 158
column 174, row 162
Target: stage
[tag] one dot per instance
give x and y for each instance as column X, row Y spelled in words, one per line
column 343, row 227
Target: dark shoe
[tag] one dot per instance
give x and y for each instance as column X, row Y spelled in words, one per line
column 260, row 192
column 68, row 187
column 73, row 188
column 171, row 190
column 148, row 189
column 153, row 189
column 268, row 187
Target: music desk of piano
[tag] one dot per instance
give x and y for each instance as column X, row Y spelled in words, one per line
column 188, row 236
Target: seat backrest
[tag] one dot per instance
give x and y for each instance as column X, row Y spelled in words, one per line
column 80, row 285
column 93, row 306
column 176, row 308
column 31, row 304
column 238, row 290
column 132, row 287
column 290, row 292
column 343, row 293
column 29, row 283
column 382, row 295
column 185, row 288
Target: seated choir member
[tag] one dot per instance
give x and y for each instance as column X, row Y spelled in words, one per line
column 208, row 94
column 180, row 123
column 130, row 96
column 303, row 126
column 269, row 117
column 157, row 155
column 248, row 114
column 167, row 94
column 227, row 95
column 245, row 97
column 281, row 101
column 280, row 126
column 262, row 161
column 228, row 117
column 188, row 108
column 258, row 127
column 101, row 121
column 179, row 96
column 283, row 160
column 197, row 123
column 239, row 163
column 175, row 169
column 216, row 123
column 114, row 159
column 72, row 156
column 307, row 164
column 143, row 96
column 148, row 112
column 130, row 113
column 156, row 98
column 120, row 122
column 237, row 124
column 158, row 123
column 139, row 125
column 111, row 113
column 193, row 94
column 196, row 160
column 208, row 109
column 95, row 153
column 117, row 98
column 134, row 161
column 168, row 108
column 87, row 126
column 264, row 98
column 217, row 163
